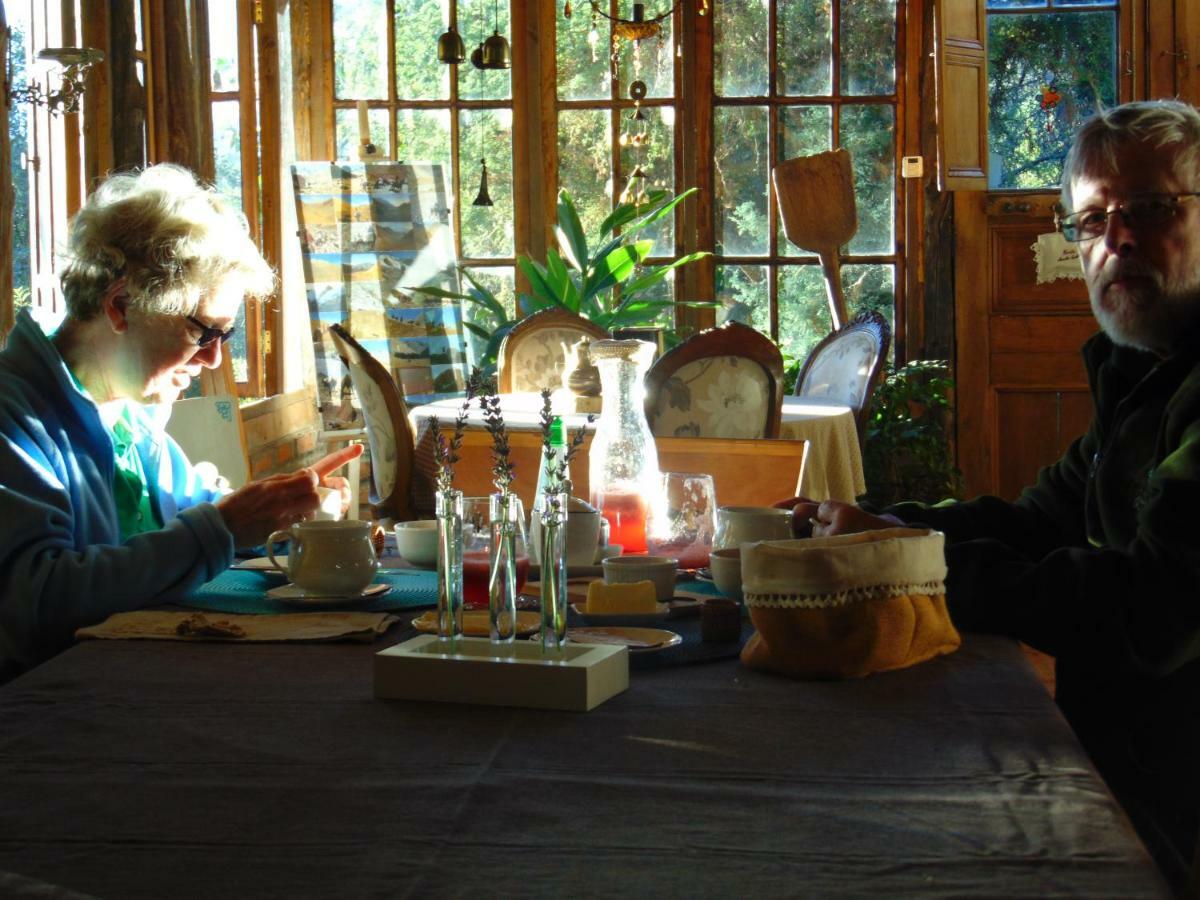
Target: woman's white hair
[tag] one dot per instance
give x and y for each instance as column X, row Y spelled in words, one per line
column 1158, row 123
column 170, row 237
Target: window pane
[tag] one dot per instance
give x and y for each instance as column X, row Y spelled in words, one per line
column 740, row 48
column 1017, row 4
column 487, row 134
column 424, row 135
column 227, row 149
column 741, row 170
column 653, row 62
column 658, row 164
column 805, row 47
column 476, row 24
column 742, row 290
column 868, row 132
column 1046, row 74
column 582, row 54
column 419, row 75
column 222, row 44
column 871, row 287
column 138, row 34
column 499, row 280
column 18, row 132
column 803, row 131
column 585, row 163
column 803, row 309
column 360, row 49
column 236, row 347
column 868, row 45
column 346, row 131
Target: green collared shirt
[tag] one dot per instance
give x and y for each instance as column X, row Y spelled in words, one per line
column 136, row 511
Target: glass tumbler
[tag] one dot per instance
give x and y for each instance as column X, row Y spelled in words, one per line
column 684, row 519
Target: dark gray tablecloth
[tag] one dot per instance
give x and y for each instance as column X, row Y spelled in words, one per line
column 175, row 770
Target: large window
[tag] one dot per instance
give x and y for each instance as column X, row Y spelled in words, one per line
column 1051, row 64
column 423, row 110
column 794, row 78
column 836, row 84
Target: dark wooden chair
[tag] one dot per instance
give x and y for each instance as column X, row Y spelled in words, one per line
column 725, row 382
column 848, row 365
column 389, row 433
column 533, row 355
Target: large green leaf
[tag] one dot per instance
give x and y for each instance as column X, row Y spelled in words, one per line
column 439, row 292
column 485, row 298
column 543, row 292
column 658, row 213
column 569, row 233
column 616, row 266
column 627, row 212
column 561, row 281
column 658, row 273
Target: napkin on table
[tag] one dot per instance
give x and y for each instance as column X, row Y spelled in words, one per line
column 166, row 625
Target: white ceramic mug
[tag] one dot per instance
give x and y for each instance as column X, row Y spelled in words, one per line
column 417, row 541
column 330, row 507
column 332, row 558
column 738, row 524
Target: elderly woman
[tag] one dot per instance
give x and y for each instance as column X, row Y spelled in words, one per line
column 100, row 511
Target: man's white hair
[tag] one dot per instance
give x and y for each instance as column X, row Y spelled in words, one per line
column 1159, row 123
column 172, row 238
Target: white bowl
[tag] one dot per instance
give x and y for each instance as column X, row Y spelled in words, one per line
column 658, row 569
column 726, row 568
column 417, row 542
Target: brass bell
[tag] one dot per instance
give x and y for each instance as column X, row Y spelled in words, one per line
column 477, row 57
column 450, row 48
column 483, row 198
column 496, row 53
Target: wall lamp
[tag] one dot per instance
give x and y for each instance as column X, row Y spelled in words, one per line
column 76, row 62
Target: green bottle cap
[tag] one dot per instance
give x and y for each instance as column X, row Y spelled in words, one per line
column 558, row 437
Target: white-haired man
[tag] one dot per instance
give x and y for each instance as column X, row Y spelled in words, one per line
column 1098, row 563
column 100, row 510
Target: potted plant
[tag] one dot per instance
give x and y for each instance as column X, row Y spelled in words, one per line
column 607, row 285
column 906, row 453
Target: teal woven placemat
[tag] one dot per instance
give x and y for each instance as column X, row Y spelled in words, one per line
column 241, row 591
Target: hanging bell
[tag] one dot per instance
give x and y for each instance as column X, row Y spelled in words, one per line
column 477, row 57
column 483, row 198
column 496, row 53
column 451, row 49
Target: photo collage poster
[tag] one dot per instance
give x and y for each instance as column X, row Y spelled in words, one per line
column 369, row 233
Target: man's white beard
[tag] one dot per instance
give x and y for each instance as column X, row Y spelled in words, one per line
column 1155, row 321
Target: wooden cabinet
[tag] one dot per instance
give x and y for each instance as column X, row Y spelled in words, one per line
column 1022, row 389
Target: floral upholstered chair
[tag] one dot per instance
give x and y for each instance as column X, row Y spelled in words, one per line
column 725, row 382
column 847, row 366
column 533, row 355
column 389, row 434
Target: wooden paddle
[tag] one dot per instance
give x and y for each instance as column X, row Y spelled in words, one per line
column 816, row 203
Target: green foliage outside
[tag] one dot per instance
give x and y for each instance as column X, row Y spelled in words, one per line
column 605, row 280
column 907, row 450
column 1032, row 57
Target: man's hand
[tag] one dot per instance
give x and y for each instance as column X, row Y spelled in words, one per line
column 830, row 517
column 252, row 512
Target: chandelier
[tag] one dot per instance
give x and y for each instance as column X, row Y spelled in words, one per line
column 76, row 62
column 635, row 29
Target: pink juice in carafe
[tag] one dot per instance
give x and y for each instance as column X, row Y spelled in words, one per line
column 626, row 512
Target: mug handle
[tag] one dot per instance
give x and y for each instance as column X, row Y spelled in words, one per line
column 282, row 535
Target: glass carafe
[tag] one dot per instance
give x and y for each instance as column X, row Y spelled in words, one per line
column 623, row 461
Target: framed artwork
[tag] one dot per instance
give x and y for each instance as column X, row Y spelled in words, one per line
column 369, row 233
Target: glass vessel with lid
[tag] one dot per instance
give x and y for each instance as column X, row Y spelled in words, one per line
column 623, row 467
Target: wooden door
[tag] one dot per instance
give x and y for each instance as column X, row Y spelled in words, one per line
column 1022, row 389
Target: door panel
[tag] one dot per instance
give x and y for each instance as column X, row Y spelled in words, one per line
column 1022, row 390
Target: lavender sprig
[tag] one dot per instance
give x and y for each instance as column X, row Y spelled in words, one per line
column 493, row 420
column 558, row 472
column 446, row 452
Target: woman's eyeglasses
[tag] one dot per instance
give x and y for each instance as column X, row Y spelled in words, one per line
column 208, row 334
column 1140, row 211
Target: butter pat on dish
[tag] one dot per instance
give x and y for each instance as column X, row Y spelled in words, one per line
column 634, row 598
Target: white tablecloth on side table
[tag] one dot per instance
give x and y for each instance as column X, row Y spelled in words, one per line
column 833, row 471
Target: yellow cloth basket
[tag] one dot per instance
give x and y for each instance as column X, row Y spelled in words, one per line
column 847, row 606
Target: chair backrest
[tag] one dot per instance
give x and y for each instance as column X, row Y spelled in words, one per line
column 725, row 382
column 389, row 433
column 847, row 366
column 533, row 354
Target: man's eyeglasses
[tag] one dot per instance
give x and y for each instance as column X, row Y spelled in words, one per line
column 208, row 334
column 1139, row 211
